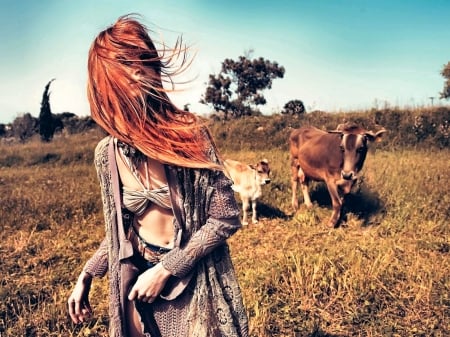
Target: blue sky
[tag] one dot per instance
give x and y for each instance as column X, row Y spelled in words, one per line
column 339, row 55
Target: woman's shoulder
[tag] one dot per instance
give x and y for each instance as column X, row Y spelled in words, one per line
column 102, row 145
column 101, row 151
column 210, row 146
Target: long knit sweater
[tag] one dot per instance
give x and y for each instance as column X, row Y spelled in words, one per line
column 202, row 298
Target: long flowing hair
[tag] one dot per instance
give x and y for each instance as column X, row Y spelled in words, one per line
column 128, row 100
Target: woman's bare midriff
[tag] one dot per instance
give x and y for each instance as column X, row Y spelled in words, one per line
column 155, row 225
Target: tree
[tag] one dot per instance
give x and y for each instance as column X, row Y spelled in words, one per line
column 294, row 107
column 46, row 122
column 446, row 74
column 72, row 124
column 24, row 126
column 236, row 90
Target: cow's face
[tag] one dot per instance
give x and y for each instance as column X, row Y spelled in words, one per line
column 262, row 172
column 353, row 145
column 354, row 150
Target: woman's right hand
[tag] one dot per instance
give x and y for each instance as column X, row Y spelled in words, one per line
column 149, row 284
column 79, row 307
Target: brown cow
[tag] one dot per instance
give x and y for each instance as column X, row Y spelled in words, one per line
column 247, row 181
column 335, row 157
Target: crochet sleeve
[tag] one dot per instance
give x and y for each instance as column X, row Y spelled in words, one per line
column 97, row 265
column 223, row 221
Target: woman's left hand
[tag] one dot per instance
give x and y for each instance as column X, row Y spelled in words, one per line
column 149, row 284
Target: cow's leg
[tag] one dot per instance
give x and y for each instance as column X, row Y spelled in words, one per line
column 294, row 183
column 254, row 217
column 245, row 206
column 306, row 197
column 304, row 183
column 336, row 202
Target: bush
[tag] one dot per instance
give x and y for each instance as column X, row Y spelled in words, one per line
column 422, row 128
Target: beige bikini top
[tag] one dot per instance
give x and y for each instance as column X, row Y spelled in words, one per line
column 137, row 201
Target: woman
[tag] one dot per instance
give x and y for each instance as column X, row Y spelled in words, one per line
column 168, row 206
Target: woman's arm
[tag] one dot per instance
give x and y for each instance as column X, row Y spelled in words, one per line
column 97, row 265
column 78, row 302
column 222, row 222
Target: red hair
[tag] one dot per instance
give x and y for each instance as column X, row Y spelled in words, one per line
column 138, row 111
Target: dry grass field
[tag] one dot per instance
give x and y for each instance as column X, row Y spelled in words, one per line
column 384, row 272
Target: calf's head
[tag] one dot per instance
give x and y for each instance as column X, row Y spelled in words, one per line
column 262, row 172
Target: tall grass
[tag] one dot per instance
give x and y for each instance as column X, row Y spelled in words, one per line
column 384, row 272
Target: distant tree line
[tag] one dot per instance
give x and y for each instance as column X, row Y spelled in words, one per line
column 26, row 126
column 236, row 92
column 425, row 128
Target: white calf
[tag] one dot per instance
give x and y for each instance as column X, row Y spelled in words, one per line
column 247, row 181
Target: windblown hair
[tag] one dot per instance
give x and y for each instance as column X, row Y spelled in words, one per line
column 137, row 110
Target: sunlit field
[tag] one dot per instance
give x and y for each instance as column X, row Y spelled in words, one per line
column 384, row 272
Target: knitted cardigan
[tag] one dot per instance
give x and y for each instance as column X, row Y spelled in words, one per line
column 206, row 214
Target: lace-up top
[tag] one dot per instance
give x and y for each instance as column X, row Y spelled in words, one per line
column 137, row 201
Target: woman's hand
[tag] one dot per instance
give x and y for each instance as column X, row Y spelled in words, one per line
column 149, row 284
column 79, row 307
